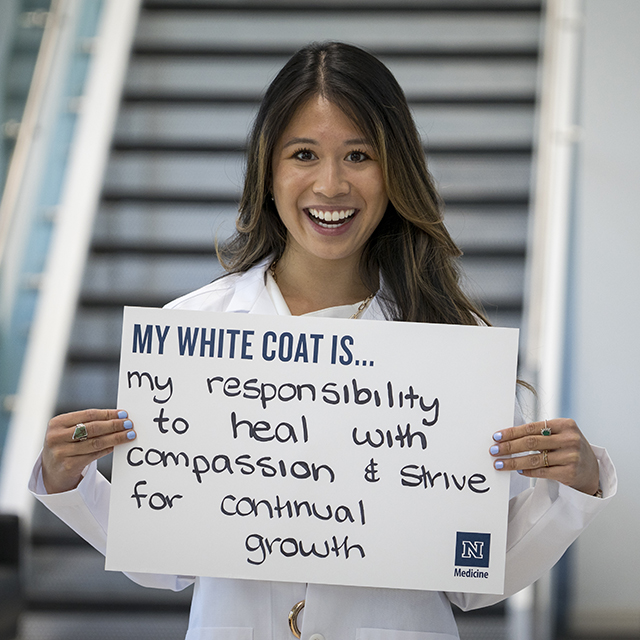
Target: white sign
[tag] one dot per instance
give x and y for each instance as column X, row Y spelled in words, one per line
column 312, row 450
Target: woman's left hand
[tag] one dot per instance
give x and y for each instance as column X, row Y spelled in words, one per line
column 565, row 455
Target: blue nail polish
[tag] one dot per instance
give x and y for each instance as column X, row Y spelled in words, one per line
column 131, row 435
column 122, row 414
column 127, row 424
column 499, row 464
column 520, row 471
column 494, row 450
column 497, row 436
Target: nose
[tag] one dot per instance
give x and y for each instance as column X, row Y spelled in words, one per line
column 330, row 181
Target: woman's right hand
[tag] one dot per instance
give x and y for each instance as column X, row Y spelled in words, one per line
column 63, row 459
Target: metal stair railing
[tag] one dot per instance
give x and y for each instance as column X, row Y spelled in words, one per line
column 18, row 208
column 548, row 260
column 60, row 285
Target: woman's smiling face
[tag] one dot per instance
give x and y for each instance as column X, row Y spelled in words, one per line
column 327, row 184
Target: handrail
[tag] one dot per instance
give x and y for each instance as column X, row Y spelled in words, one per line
column 61, row 282
column 23, row 217
column 549, row 239
column 30, row 121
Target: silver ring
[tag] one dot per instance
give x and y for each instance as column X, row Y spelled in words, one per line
column 80, row 433
column 546, row 430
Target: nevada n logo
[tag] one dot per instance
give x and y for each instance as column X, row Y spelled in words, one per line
column 472, row 550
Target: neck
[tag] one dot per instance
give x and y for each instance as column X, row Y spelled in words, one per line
column 313, row 283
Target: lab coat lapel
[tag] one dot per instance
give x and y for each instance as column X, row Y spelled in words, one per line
column 251, row 294
column 373, row 311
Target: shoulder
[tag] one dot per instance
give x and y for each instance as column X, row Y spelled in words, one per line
column 212, row 297
column 222, row 294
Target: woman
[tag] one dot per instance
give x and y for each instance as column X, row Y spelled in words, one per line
column 340, row 218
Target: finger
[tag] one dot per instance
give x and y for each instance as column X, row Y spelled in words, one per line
column 539, row 460
column 533, row 461
column 562, row 473
column 524, row 430
column 532, row 436
column 529, row 437
column 106, row 435
column 541, row 427
column 66, row 420
column 527, row 443
column 100, row 434
column 97, row 429
column 96, row 422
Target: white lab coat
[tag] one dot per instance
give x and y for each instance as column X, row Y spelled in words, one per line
column 543, row 522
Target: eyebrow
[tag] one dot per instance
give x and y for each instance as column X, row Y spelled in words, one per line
column 295, row 141
column 299, row 141
column 357, row 141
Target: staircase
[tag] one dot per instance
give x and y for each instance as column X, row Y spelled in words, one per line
column 197, row 72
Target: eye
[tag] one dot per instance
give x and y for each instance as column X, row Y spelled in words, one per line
column 305, row 155
column 357, row 156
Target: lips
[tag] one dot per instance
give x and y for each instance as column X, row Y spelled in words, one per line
column 330, row 219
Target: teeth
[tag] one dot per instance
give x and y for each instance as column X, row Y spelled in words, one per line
column 331, row 216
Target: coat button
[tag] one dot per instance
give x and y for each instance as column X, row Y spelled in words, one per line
column 316, row 636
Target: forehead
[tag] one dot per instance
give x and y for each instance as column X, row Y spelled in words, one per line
column 321, row 117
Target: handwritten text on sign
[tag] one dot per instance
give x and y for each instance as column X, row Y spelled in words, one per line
column 312, row 450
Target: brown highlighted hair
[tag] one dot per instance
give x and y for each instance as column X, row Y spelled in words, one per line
column 411, row 249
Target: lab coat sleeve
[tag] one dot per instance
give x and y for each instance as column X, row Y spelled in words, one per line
column 86, row 510
column 543, row 522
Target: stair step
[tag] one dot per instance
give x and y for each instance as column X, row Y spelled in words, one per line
column 470, row 126
column 282, row 32
column 115, row 301
column 477, row 174
column 337, row 6
column 184, row 224
column 474, row 228
column 78, row 625
column 489, row 229
column 153, row 249
column 209, row 53
column 88, row 385
column 479, row 627
column 197, row 97
column 76, row 575
column 421, row 79
column 153, row 145
column 167, row 276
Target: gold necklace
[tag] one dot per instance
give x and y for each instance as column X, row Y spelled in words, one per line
column 363, row 305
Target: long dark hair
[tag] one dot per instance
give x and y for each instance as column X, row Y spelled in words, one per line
column 411, row 248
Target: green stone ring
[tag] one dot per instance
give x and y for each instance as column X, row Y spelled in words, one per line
column 546, row 430
column 80, row 433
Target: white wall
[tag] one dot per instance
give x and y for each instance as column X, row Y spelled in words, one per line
column 604, row 368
